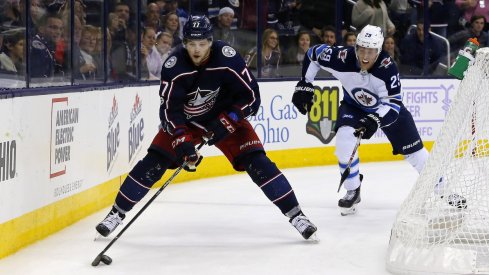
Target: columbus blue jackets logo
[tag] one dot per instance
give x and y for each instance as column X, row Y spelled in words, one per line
column 171, row 62
column 228, row 51
column 365, row 97
column 201, row 102
column 386, row 62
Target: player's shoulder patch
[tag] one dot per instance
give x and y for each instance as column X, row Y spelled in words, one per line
column 170, row 62
column 386, row 62
column 342, row 54
column 38, row 45
column 228, row 51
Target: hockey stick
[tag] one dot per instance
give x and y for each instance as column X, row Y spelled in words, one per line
column 346, row 173
column 106, row 259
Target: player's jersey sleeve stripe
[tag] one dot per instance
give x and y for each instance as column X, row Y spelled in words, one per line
column 310, row 67
column 311, row 53
column 395, row 107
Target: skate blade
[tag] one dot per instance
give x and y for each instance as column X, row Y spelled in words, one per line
column 98, row 237
column 313, row 238
column 348, row 211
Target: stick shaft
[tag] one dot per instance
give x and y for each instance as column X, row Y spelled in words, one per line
column 148, row 203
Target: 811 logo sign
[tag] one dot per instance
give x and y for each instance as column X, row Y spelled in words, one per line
column 322, row 118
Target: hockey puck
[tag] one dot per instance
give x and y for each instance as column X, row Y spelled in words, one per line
column 106, row 259
column 102, row 258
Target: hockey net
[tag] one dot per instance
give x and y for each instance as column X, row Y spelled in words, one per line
column 429, row 236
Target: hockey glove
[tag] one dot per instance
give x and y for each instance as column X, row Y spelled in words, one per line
column 368, row 125
column 303, row 96
column 225, row 124
column 185, row 151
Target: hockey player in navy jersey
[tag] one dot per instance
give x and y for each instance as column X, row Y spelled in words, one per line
column 371, row 100
column 206, row 90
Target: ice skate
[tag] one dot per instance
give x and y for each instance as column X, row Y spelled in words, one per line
column 110, row 223
column 304, row 226
column 457, row 201
column 453, row 199
column 349, row 202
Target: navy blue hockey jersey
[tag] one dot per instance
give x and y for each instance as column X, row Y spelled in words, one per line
column 199, row 94
column 377, row 91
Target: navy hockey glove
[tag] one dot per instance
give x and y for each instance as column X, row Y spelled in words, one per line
column 185, row 151
column 368, row 125
column 225, row 124
column 303, row 96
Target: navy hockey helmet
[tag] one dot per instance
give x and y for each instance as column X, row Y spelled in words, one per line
column 197, row 27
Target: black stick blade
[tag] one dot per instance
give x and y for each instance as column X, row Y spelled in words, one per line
column 97, row 260
column 102, row 258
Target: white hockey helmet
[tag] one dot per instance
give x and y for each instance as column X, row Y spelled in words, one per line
column 370, row 37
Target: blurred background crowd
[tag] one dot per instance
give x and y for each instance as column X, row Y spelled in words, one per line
column 63, row 42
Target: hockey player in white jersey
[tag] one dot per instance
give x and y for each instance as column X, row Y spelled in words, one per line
column 371, row 100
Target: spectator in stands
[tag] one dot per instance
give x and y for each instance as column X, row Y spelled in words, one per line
column 77, row 57
column 9, row 14
column 123, row 11
column 115, row 24
column 391, row 48
column 328, row 35
column 458, row 39
column 79, row 8
column 121, row 55
column 171, row 6
column 373, row 12
column 438, row 17
column 161, row 6
column 164, row 42
column 150, row 57
column 288, row 16
column 222, row 27
column 412, row 53
column 42, row 48
column 296, row 54
column 37, row 10
column 473, row 7
column 271, row 54
column 12, row 55
column 153, row 17
column 88, row 64
column 314, row 14
column 349, row 39
column 172, row 26
column 400, row 13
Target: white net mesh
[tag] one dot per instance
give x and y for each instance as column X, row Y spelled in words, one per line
column 430, row 235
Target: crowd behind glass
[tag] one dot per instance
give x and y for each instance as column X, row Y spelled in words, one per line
column 63, row 42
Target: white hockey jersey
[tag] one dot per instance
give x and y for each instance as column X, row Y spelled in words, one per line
column 377, row 91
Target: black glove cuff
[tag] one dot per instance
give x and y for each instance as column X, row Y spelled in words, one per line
column 375, row 118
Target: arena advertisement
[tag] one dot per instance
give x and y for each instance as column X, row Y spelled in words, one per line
column 113, row 134
column 8, row 160
column 69, row 143
column 64, row 121
column 72, row 142
column 279, row 126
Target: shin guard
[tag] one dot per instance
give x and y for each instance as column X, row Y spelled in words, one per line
column 272, row 182
column 140, row 180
